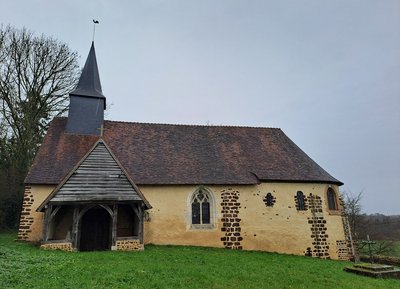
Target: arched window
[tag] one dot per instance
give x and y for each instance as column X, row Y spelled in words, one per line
column 332, row 203
column 300, row 201
column 201, row 208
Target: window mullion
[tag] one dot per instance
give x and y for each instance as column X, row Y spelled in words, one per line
column 201, row 212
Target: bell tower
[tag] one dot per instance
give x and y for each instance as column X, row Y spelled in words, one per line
column 87, row 102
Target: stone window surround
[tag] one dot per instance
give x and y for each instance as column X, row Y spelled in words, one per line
column 213, row 214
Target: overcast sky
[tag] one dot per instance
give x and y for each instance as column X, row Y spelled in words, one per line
column 326, row 72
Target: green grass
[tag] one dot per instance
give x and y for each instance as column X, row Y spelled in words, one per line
column 392, row 252
column 25, row 266
column 397, row 249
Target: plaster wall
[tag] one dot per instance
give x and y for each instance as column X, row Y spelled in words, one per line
column 31, row 222
column 169, row 221
column 280, row 228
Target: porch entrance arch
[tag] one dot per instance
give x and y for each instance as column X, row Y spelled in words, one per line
column 95, row 230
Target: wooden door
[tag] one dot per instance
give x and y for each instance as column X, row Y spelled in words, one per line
column 95, row 230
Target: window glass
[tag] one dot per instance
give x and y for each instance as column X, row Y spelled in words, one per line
column 201, row 208
column 195, row 212
column 301, row 204
column 332, row 199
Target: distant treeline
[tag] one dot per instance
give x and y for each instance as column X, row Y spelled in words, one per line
column 378, row 227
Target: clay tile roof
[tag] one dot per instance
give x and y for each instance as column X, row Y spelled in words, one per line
column 155, row 154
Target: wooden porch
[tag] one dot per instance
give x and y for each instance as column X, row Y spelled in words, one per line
column 90, row 227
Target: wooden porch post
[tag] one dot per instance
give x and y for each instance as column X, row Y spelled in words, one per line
column 46, row 222
column 114, row 227
column 141, row 220
column 75, row 227
column 138, row 209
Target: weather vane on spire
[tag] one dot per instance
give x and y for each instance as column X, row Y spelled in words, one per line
column 94, row 27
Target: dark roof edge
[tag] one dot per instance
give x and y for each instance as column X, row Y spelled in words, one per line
column 339, row 183
column 246, row 184
column 219, row 184
column 89, row 94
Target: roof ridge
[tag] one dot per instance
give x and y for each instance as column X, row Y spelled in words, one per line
column 185, row 124
column 193, row 125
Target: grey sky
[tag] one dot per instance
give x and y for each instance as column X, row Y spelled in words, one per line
column 326, row 72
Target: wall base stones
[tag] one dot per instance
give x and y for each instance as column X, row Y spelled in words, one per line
column 230, row 219
column 26, row 219
column 66, row 246
column 343, row 250
column 129, row 245
column 122, row 245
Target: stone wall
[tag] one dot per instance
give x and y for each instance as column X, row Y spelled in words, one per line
column 26, row 219
column 65, row 246
column 230, row 219
column 318, row 228
column 129, row 245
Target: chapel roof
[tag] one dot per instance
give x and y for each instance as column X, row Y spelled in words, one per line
column 164, row 154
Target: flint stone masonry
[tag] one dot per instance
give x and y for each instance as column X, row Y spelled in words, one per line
column 230, row 219
column 66, row 246
column 26, row 219
column 129, row 245
column 318, row 228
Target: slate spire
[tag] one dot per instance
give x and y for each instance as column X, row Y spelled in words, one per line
column 89, row 83
column 87, row 102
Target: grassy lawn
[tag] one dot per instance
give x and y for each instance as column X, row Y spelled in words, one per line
column 25, row 266
column 397, row 250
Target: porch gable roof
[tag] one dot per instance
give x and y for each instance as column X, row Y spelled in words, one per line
column 97, row 177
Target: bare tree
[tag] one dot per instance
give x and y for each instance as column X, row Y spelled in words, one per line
column 353, row 211
column 36, row 75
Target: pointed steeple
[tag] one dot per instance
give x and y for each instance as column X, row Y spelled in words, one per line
column 87, row 102
column 89, row 83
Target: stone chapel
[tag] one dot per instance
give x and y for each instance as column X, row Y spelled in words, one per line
column 98, row 184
